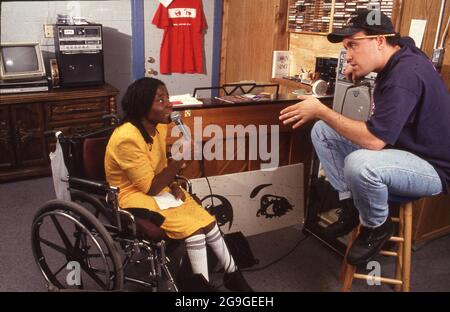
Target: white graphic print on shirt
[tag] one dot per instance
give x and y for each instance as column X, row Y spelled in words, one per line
column 182, row 13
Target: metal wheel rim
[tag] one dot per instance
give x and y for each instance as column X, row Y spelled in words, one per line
column 40, row 257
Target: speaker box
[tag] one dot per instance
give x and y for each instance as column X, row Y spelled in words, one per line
column 79, row 51
column 352, row 101
column 81, row 69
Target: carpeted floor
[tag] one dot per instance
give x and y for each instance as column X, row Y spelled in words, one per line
column 312, row 266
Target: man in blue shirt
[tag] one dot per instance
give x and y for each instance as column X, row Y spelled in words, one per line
column 403, row 149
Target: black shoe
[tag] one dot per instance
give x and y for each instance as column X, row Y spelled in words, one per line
column 196, row 283
column 348, row 219
column 369, row 242
column 187, row 281
column 235, row 281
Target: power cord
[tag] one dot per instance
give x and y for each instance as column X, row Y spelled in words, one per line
column 279, row 259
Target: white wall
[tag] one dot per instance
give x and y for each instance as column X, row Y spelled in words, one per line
column 24, row 20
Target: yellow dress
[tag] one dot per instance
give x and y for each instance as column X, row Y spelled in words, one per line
column 131, row 164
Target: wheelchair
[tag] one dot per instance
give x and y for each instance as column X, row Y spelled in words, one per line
column 90, row 243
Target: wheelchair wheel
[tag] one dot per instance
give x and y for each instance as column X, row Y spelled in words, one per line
column 94, row 205
column 73, row 249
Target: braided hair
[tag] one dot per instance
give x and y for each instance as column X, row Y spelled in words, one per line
column 139, row 97
column 137, row 102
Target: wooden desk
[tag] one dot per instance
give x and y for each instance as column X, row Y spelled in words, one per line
column 25, row 117
column 294, row 145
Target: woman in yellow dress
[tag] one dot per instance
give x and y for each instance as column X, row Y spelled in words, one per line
column 136, row 162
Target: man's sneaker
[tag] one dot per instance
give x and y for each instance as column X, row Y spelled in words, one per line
column 368, row 243
column 348, row 219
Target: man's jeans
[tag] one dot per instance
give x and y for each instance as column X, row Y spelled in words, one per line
column 368, row 176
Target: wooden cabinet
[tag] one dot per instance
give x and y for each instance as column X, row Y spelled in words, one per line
column 26, row 118
column 431, row 218
column 6, row 148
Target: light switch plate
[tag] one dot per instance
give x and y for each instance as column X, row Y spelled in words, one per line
column 49, row 31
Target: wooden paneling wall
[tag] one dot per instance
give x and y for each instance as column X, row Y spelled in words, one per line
column 428, row 10
column 251, row 30
column 305, row 48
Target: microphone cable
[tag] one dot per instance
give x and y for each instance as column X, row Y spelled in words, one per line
column 210, row 190
column 301, row 240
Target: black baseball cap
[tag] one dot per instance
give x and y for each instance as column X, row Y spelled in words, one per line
column 373, row 20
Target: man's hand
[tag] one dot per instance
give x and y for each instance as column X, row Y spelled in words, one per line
column 350, row 73
column 175, row 190
column 300, row 113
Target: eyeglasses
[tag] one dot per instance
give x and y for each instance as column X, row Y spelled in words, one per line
column 372, row 36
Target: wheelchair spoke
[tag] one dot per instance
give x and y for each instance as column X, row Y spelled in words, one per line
column 78, row 237
column 61, row 232
column 97, row 255
column 59, row 270
column 92, row 274
column 103, row 272
column 112, row 276
column 53, row 245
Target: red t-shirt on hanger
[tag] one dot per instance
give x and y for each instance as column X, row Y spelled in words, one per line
column 182, row 45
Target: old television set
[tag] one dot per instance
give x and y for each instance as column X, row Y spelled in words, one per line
column 21, row 61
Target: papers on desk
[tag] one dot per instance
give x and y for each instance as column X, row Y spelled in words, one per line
column 244, row 98
column 184, row 99
column 304, row 92
column 166, row 200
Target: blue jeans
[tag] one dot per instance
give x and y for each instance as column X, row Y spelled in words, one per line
column 368, row 176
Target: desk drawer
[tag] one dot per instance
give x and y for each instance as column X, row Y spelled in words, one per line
column 77, row 109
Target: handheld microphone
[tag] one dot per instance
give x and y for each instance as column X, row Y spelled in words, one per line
column 175, row 117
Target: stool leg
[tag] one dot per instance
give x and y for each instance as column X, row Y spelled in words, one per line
column 406, row 270
column 399, row 259
column 348, row 277
column 347, row 270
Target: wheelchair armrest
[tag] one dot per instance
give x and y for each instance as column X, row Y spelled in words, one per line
column 95, row 187
column 131, row 218
column 188, row 183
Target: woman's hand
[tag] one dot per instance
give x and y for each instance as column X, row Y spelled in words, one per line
column 308, row 109
column 177, row 191
column 176, row 164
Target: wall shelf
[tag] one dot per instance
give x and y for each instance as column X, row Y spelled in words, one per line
column 322, row 16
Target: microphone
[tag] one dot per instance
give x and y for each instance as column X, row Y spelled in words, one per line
column 175, row 117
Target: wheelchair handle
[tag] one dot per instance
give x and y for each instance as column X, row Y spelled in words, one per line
column 92, row 184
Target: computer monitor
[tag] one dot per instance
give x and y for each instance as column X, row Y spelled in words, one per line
column 21, row 61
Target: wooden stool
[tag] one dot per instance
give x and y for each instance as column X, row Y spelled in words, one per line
column 403, row 254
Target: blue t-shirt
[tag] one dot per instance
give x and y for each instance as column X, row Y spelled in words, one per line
column 412, row 109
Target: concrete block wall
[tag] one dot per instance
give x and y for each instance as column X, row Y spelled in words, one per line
column 22, row 21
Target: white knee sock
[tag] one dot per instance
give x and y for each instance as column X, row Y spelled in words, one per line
column 196, row 250
column 215, row 240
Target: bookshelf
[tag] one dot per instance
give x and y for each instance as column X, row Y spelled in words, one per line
column 322, row 16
